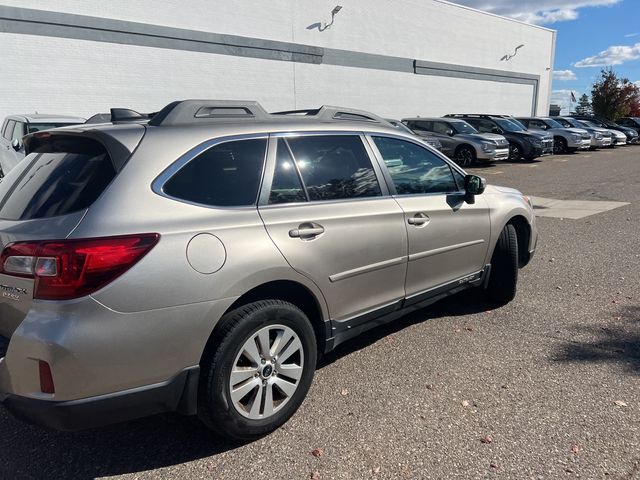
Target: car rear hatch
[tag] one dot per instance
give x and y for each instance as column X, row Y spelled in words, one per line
column 45, row 198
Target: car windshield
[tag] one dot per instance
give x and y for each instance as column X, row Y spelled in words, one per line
column 508, row 125
column 589, row 124
column 552, row 123
column 463, row 127
column 36, row 127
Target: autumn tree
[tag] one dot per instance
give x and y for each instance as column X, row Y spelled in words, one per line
column 612, row 96
column 584, row 105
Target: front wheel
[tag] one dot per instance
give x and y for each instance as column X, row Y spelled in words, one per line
column 503, row 277
column 515, row 153
column 465, row 156
column 257, row 369
column 559, row 146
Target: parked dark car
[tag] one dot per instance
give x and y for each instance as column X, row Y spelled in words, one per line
column 630, row 122
column 632, row 135
column 523, row 144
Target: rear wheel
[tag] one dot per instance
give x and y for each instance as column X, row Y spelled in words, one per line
column 465, row 156
column 257, row 369
column 503, row 277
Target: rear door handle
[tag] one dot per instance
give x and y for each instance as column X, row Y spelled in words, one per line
column 419, row 219
column 306, row 231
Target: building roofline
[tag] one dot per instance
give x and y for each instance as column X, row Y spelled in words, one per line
column 464, row 7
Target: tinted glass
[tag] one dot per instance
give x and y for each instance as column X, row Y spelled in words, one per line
column 415, row 169
column 537, row 124
column 36, row 127
column 508, row 126
column 286, row 186
column 463, row 127
column 442, row 128
column 65, row 175
column 334, row 167
column 552, row 123
column 420, row 125
column 225, row 175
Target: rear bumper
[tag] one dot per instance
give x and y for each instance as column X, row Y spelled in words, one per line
column 178, row 394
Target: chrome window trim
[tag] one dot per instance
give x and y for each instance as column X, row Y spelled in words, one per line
column 157, row 186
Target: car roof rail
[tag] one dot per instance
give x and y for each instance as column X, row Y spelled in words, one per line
column 330, row 113
column 193, row 112
column 119, row 115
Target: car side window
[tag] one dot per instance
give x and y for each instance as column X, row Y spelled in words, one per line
column 414, row 169
column 484, row 126
column 286, row 186
column 18, row 131
column 334, row 167
column 538, row 125
column 422, row 126
column 8, row 131
column 225, row 175
column 442, row 128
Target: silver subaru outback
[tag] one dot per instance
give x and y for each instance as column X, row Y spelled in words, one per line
column 201, row 262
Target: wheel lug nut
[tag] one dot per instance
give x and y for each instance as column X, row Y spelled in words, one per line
column 263, row 361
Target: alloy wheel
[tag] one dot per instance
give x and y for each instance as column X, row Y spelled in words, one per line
column 266, row 372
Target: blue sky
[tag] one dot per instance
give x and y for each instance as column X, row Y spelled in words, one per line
column 591, row 34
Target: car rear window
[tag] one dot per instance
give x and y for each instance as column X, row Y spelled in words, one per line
column 37, row 127
column 64, row 175
column 225, row 175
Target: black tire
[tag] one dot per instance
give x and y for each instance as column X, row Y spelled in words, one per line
column 503, row 277
column 465, row 156
column 560, row 146
column 215, row 407
column 515, row 152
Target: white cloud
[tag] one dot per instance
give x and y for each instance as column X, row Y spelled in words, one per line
column 631, row 35
column 616, row 55
column 536, row 11
column 564, row 75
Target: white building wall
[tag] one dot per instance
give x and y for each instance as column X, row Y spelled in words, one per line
column 58, row 75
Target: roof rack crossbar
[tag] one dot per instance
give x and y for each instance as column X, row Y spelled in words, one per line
column 189, row 112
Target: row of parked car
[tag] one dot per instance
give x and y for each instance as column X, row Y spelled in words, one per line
column 465, row 138
column 471, row 138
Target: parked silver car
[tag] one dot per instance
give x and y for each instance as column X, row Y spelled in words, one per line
column 15, row 127
column 431, row 140
column 564, row 139
column 617, row 138
column 201, row 262
column 460, row 141
column 599, row 136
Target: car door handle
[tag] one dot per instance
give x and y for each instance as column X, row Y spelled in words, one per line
column 419, row 219
column 306, row 231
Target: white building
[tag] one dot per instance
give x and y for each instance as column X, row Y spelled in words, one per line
column 394, row 57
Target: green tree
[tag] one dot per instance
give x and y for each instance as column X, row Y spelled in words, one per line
column 612, row 96
column 584, row 105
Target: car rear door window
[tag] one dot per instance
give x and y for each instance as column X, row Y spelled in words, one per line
column 334, row 167
column 64, row 175
column 8, row 131
column 286, row 186
column 414, row 169
column 18, row 131
column 225, row 175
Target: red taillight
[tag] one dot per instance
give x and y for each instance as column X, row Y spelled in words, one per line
column 46, row 378
column 68, row 269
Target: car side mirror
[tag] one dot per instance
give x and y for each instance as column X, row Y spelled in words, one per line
column 450, row 133
column 473, row 185
column 16, row 144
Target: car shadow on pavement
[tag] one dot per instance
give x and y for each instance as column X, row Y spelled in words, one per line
column 468, row 302
column 32, row 452
column 615, row 343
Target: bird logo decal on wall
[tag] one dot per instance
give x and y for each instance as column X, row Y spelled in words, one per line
column 508, row 57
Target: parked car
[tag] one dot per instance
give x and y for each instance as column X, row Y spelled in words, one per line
column 630, row 133
column 600, row 137
column 617, row 138
column 564, row 139
column 201, row 262
column 429, row 139
column 15, row 127
column 630, row 122
column 522, row 143
column 460, row 141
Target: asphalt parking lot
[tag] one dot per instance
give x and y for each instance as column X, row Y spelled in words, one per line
column 546, row 387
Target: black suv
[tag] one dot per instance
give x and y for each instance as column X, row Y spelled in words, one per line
column 523, row 144
column 630, row 122
column 631, row 133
